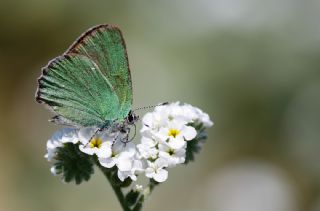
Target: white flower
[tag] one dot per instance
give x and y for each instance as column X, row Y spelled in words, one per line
column 124, row 157
column 136, row 167
column 153, row 121
column 99, row 145
column 138, row 188
column 172, row 156
column 156, row 171
column 198, row 115
column 174, row 112
column 147, row 149
column 175, row 134
column 65, row 135
column 121, row 155
column 165, row 134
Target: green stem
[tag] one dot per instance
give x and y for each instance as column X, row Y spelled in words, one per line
column 147, row 192
column 120, row 196
column 117, row 190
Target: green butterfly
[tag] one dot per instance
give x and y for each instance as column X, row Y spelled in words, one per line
column 90, row 84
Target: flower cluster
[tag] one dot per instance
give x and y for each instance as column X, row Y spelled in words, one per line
column 166, row 133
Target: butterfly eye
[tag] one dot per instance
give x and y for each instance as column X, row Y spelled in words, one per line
column 131, row 118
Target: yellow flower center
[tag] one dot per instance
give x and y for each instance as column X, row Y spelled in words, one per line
column 95, row 142
column 173, row 132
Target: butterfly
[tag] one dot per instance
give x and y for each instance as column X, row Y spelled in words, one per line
column 90, row 84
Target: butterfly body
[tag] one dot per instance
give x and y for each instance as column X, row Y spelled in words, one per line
column 90, row 84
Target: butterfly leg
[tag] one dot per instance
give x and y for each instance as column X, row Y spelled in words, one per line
column 98, row 130
column 135, row 133
column 127, row 131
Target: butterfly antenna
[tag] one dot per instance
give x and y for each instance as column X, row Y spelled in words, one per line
column 153, row 106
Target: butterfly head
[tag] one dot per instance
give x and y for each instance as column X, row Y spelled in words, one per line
column 131, row 118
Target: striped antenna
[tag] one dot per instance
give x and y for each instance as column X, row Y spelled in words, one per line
column 148, row 107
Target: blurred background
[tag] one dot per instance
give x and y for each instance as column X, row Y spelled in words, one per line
column 253, row 65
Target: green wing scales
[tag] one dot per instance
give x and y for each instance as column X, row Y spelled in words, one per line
column 91, row 83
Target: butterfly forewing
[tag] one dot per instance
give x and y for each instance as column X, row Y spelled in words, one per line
column 105, row 46
column 90, row 84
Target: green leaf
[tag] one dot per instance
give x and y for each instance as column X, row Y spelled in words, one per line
column 194, row 146
column 72, row 164
column 132, row 197
column 116, row 181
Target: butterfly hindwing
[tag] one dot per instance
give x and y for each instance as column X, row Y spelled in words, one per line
column 73, row 87
column 90, row 84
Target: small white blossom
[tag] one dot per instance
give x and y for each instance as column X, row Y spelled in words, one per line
column 124, row 157
column 136, row 167
column 65, row 135
column 174, row 112
column 138, row 188
column 99, row 145
column 198, row 115
column 147, row 148
column 175, row 134
column 172, row 156
column 156, row 171
column 121, row 155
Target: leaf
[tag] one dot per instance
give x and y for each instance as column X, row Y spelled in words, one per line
column 72, row 164
column 194, row 146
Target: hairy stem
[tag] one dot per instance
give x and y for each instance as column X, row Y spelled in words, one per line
column 117, row 190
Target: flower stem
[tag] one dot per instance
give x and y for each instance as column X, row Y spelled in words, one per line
column 146, row 193
column 117, row 190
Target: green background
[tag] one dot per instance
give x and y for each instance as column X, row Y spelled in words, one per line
column 253, row 66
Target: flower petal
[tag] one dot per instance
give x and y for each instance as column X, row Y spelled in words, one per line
column 161, row 175
column 107, row 162
column 85, row 134
column 189, row 133
column 105, row 150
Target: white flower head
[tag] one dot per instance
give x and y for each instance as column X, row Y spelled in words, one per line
column 65, row 135
column 165, row 134
column 156, row 171
column 99, row 145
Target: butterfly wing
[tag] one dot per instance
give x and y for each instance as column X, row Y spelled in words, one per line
column 112, row 60
column 90, row 84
